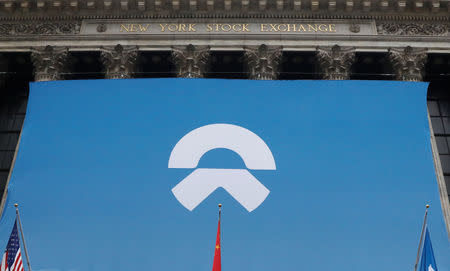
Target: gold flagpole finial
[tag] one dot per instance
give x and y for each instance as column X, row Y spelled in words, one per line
column 220, row 205
column 427, row 206
column 16, row 205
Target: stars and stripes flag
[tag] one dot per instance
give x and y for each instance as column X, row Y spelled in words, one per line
column 12, row 258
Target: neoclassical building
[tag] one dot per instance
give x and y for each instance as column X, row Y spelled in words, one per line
column 407, row 40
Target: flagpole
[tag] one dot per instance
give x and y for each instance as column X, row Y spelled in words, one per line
column 23, row 238
column 421, row 236
column 220, row 226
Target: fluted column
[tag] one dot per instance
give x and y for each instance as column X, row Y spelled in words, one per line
column 335, row 62
column 263, row 62
column 190, row 61
column 119, row 61
column 408, row 63
column 49, row 62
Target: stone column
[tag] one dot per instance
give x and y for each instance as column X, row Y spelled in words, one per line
column 49, row 63
column 190, row 61
column 263, row 62
column 408, row 63
column 335, row 62
column 119, row 61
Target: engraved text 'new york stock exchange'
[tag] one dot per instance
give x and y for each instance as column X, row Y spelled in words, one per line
column 226, row 28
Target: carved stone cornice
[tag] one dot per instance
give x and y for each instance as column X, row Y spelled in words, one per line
column 335, row 62
column 190, row 61
column 60, row 27
column 49, row 62
column 119, row 61
column 40, row 28
column 263, row 62
column 217, row 8
column 413, row 29
column 408, row 63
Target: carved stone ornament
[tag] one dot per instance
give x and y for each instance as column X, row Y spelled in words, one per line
column 354, row 28
column 408, row 63
column 119, row 61
column 102, row 28
column 263, row 62
column 39, row 28
column 190, row 61
column 413, row 29
column 335, row 62
column 49, row 62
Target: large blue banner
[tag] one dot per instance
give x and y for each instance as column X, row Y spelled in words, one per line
column 312, row 175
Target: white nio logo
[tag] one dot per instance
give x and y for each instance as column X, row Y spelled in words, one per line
column 240, row 183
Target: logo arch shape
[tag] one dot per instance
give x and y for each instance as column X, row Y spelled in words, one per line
column 239, row 183
column 253, row 150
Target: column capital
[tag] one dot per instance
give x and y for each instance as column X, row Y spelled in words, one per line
column 49, row 62
column 335, row 61
column 408, row 63
column 263, row 62
column 119, row 61
column 190, row 61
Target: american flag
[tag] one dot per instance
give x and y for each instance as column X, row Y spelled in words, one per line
column 12, row 258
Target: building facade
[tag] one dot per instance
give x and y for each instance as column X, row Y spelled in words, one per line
column 43, row 40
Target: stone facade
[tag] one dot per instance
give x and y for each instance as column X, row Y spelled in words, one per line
column 267, row 36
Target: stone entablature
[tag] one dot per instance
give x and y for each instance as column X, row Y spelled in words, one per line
column 243, row 27
column 223, row 27
column 90, row 7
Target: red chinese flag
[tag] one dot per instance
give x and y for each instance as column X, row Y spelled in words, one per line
column 217, row 264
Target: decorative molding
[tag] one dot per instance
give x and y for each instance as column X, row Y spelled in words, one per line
column 49, row 62
column 413, row 29
column 263, row 62
column 335, row 62
column 14, row 8
column 408, row 63
column 119, row 61
column 190, row 61
column 40, row 28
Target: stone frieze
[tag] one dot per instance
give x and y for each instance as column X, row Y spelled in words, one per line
column 17, row 28
column 413, row 29
column 40, row 28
